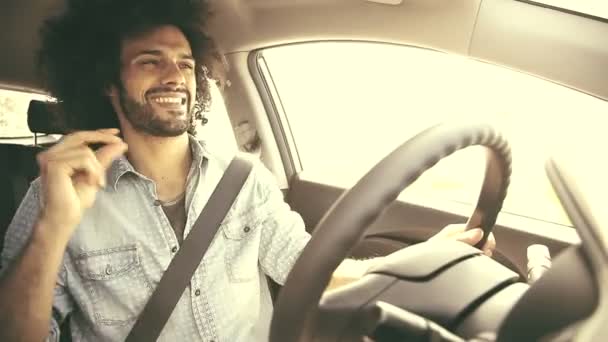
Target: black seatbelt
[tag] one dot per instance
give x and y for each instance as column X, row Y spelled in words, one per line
column 176, row 278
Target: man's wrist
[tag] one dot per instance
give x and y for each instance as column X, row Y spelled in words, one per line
column 351, row 270
column 49, row 232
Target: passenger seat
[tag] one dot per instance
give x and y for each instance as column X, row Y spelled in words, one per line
column 19, row 164
column 20, row 169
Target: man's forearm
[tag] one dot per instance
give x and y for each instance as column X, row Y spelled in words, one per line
column 351, row 270
column 27, row 287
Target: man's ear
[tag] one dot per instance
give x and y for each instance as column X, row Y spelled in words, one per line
column 113, row 94
column 111, row 91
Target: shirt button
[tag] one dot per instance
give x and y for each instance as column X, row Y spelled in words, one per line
column 197, row 292
column 174, row 249
column 246, row 229
column 109, row 269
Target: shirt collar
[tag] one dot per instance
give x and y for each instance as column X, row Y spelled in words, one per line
column 122, row 166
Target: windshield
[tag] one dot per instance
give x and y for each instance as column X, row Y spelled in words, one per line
column 339, row 104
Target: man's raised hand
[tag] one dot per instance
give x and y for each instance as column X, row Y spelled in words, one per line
column 71, row 173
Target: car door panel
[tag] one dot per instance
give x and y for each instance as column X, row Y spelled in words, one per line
column 406, row 223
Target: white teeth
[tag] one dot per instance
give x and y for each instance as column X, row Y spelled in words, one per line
column 168, row 100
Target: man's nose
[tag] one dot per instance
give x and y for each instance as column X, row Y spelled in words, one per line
column 172, row 74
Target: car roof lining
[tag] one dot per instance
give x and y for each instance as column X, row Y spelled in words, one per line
column 481, row 29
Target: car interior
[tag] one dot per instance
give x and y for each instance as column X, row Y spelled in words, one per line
column 436, row 291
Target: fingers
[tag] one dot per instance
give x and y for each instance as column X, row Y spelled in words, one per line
column 470, row 237
column 473, row 236
column 113, row 131
column 490, row 245
column 77, row 139
column 459, row 232
column 73, row 155
column 108, row 153
column 449, row 231
column 79, row 163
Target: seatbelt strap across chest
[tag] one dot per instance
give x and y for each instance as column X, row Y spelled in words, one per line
column 176, row 278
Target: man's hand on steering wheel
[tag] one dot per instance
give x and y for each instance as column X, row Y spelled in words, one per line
column 459, row 232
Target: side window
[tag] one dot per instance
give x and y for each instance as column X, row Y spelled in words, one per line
column 218, row 132
column 350, row 104
column 13, row 114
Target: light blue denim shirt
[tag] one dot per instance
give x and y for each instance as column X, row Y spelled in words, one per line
column 125, row 242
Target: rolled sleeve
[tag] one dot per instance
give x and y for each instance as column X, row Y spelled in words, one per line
column 283, row 231
column 21, row 226
column 16, row 238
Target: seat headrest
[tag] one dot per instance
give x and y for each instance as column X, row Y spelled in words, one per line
column 46, row 117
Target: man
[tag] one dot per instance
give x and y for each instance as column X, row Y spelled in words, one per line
column 101, row 226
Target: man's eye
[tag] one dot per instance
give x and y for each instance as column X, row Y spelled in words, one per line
column 187, row 66
column 149, row 62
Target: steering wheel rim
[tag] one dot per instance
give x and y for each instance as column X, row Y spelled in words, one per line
column 347, row 220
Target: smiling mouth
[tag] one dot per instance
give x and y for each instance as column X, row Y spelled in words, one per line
column 169, row 100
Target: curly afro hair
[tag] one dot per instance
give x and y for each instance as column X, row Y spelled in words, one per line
column 79, row 58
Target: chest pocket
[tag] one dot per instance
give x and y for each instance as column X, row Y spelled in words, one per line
column 242, row 236
column 115, row 283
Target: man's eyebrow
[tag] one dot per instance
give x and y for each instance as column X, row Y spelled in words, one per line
column 186, row 56
column 149, row 52
column 160, row 53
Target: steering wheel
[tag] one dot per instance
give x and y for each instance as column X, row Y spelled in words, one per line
column 345, row 223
